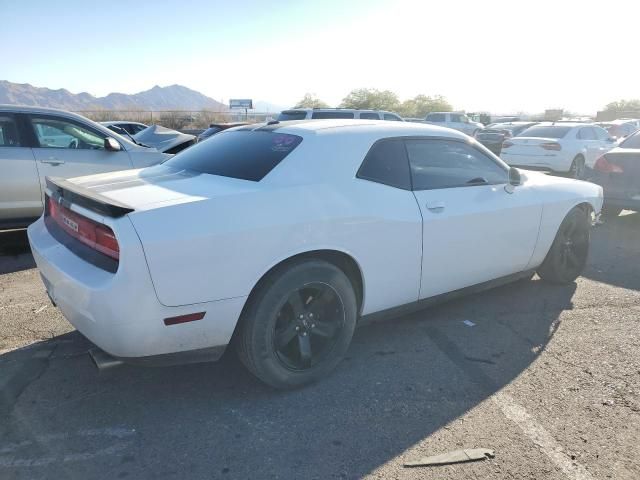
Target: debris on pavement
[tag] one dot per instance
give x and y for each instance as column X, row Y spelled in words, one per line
column 456, row 456
column 469, row 323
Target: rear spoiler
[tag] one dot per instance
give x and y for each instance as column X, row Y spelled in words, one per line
column 67, row 193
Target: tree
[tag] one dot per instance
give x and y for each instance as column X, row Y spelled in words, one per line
column 623, row 106
column 371, row 99
column 310, row 101
column 420, row 105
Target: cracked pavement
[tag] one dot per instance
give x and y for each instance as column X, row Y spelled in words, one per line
column 548, row 377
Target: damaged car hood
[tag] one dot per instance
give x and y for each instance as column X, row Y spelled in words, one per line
column 164, row 139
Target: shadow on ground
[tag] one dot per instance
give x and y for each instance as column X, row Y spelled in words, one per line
column 615, row 252
column 15, row 251
column 402, row 381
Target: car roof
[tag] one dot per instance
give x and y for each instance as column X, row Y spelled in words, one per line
column 381, row 128
column 564, row 124
column 306, row 109
column 33, row 109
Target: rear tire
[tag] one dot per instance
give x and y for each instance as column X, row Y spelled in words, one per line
column 577, row 169
column 568, row 254
column 298, row 324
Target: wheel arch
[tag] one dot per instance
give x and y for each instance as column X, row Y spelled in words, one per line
column 343, row 260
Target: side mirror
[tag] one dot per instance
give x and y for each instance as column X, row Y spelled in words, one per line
column 111, row 145
column 514, row 177
column 611, row 140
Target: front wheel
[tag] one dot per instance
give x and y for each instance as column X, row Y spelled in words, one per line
column 568, row 254
column 577, row 169
column 299, row 324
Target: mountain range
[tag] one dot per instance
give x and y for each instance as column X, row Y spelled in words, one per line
column 174, row 97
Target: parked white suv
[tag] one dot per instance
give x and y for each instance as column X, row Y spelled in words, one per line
column 344, row 113
column 457, row 121
column 560, row 147
column 38, row 142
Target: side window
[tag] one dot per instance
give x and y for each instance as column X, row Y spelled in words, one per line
column 436, row 117
column 586, row 133
column 391, row 117
column 8, row 132
column 455, row 117
column 387, row 163
column 62, row 133
column 369, row 116
column 137, row 128
column 447, row 164
column 337, row 114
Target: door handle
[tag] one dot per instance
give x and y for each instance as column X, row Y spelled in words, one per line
column 53, row 161
column 435, row 206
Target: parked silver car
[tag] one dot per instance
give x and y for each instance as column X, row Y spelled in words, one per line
column 456, row 120
column 40, row 142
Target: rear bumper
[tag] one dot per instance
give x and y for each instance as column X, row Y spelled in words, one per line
column 120, row 311
column 615, row 193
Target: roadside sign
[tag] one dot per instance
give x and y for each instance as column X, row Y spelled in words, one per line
column 246, row 103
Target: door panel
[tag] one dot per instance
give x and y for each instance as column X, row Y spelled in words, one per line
column 19, row 187
column 475, row 234
column 69, row 149
column 474, row 230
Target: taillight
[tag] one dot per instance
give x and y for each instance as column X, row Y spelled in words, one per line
column 507, row 144
column 92, row 234
column 551, row 146
column 604, row 166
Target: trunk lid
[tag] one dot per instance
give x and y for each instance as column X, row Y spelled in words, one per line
column 531, row 146
column 150, row 188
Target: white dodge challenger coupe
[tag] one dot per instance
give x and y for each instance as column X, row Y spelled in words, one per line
column 280, row 237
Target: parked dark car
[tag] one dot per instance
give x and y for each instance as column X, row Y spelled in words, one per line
column 496, row 133
column 218, row 127
column 618, row 172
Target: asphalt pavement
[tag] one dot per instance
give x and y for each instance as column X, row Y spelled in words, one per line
column 546, row 376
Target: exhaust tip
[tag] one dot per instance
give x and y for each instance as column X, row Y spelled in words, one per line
column 103, row 360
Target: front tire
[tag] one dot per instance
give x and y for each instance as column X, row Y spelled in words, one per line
column 577, row 169
column 298, row 324
column 568, row 254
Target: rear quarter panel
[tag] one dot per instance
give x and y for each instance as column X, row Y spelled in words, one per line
column 220, row 247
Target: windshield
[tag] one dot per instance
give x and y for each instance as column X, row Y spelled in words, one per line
column 632, row 142
column 243, row 154
column 545, row 131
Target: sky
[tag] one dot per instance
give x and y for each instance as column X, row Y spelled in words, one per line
column 482, row 55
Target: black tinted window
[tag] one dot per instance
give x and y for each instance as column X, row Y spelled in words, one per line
column 446, row 164
column 632, row 142
column 601, row 133
column 324, row 115
column 292, row 115
column 436, row 117
column 387, row 163
column 369, row 116
column 543, row 131
column 456, row 118
column 392, row 118
column 8, row 132
column 248, row 155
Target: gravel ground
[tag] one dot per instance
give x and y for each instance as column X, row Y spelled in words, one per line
column 548, row 377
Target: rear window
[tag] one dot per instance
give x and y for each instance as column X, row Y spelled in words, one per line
column 324, row 115
column 292, row 115
column 631, row 142
column 550, row 131
column 247, row 155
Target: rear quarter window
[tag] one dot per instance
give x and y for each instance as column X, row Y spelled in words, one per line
column 243, row 154
column 436, row 117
